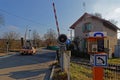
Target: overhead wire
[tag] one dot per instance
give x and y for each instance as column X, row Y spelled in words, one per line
column 20, row 17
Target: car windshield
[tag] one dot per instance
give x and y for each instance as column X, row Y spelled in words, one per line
column 27, row 47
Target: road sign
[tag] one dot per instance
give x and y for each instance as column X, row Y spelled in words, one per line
column 100, row 60
column 91, row 59
column 68, row 41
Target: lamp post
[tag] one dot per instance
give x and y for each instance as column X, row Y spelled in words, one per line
column 29, row 33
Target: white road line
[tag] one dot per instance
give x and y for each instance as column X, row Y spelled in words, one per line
column 7, row 56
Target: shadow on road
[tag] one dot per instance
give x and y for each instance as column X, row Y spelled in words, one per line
column 28, row 74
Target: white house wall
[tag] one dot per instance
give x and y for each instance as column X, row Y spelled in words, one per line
column 112, row 37
column 97, row 26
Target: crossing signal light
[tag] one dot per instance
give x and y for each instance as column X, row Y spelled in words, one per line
column 62, row 39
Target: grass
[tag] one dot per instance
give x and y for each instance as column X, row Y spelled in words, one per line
column 81, row 72
column 78, row 72
column 58, row 74
column 111, row 75
column 114, row 61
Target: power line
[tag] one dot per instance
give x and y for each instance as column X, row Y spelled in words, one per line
column 20, row 17
column 84, row 7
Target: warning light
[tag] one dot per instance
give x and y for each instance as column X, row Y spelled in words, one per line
column 62, row 39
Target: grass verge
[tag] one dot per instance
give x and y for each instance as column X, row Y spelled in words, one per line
column 114, row 61
column 58, row 74
column 78, row 72
column 81, row 72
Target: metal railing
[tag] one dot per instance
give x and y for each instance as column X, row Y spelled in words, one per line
column 112, row 72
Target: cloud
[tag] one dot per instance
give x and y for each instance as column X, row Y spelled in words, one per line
column 117, row 10
column 108, row 11
column 13, row 28
column 114, row 14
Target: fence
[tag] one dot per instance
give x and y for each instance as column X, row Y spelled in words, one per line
column 111, row 72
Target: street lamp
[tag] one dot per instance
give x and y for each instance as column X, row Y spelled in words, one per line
column 29, row 33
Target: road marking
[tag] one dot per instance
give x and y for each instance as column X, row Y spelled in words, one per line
column 8, row 55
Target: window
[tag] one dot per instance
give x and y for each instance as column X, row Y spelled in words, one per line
column 87, row 27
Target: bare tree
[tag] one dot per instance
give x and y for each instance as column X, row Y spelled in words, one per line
column 98, row 15
column 11, row 38
column 113, row 21
column 11, row 35
column 50, row 37
column 36, row 39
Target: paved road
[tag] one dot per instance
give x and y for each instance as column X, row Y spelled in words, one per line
column 27, row 67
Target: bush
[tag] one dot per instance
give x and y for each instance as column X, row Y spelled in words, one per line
column 52, row 47
column 59, row 75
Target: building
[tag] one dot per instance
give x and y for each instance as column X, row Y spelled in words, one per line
column 90, row 23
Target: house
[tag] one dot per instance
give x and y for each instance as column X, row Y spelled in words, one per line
column 90, row 23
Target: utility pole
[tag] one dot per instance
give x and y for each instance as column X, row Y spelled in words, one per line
column 29, row 33
column 70, row 33
column 25, row 36
column 84, row 7
column 7, row 46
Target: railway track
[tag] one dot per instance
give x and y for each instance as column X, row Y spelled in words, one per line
column 112, row 67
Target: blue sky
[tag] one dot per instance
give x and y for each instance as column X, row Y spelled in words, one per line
column 38, row 14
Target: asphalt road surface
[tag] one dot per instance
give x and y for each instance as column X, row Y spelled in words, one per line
column 27, row 67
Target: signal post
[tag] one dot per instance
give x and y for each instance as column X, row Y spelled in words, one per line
column 64, row 54
column 62, row 40
column 98, row 57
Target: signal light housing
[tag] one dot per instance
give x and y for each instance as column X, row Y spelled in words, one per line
column 62, row 39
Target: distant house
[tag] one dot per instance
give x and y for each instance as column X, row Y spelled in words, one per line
column 90, row 23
